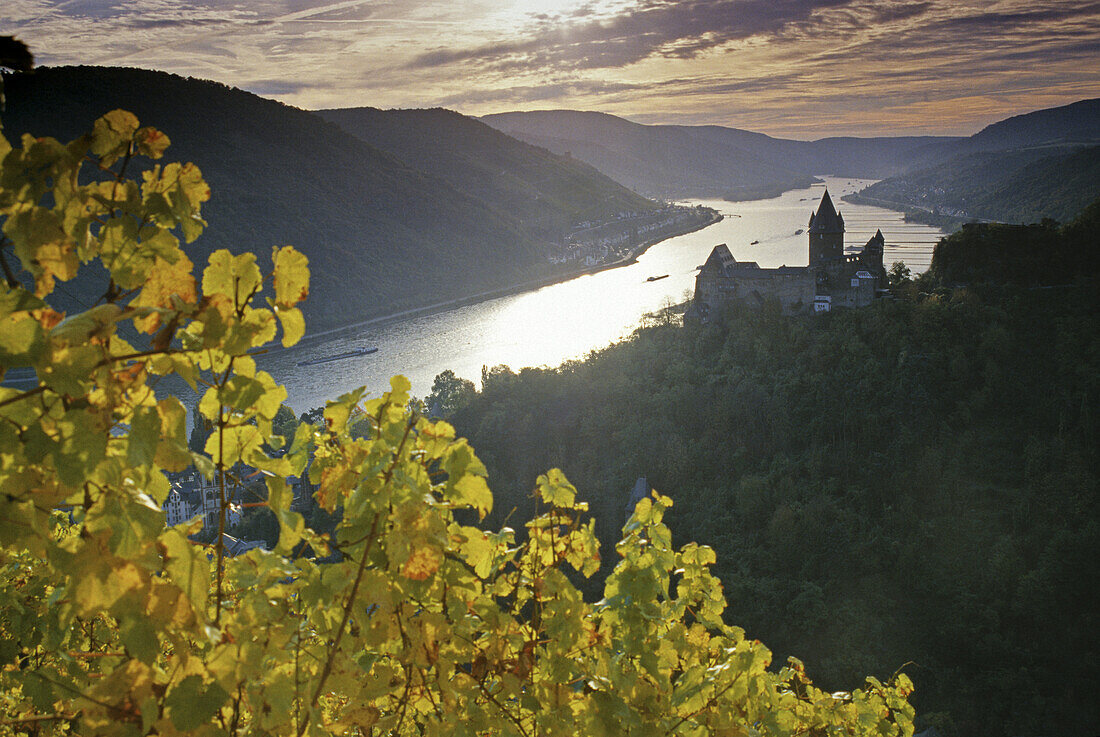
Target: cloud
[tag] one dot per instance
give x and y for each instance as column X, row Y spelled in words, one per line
column 781, row 66
column 523, row 94
column 671, row 28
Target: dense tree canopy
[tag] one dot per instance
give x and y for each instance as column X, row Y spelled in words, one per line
column 915, row 481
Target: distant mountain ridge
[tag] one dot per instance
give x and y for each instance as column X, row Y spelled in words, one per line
column 705, row 161
column 382, row 236
column 658, row 161
column 1043, row 164
column 1076, row 123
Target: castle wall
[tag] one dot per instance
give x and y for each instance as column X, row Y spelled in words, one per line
column 793, row 288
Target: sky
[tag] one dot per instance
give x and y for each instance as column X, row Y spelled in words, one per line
column 791, row 68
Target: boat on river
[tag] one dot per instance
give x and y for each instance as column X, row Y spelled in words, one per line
column 657, row 278
column 339, row 356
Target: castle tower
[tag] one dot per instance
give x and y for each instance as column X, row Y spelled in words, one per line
column 826, row 232
column 872, row 253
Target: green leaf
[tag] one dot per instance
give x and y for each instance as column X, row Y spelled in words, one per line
column 172, row 452
column 132, row 521
column 555, row 489
column 291, row 524
column 191, row 703
column 188, row 567
column 144, row 436
column 21, row 340
column 140, row 637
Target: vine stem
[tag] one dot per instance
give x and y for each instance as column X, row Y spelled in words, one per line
column 331, row 659
column 25, row 395
column 13, row 283
column 60, row 716
column 219, row 546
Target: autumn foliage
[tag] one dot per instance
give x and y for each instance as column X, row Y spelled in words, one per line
column 407, row 620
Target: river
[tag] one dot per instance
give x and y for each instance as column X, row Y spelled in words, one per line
column 568, row 320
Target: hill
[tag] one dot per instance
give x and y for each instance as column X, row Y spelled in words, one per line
column 705, row 161
column 840, row 156
column 1068, row 125
column 546, row 193
column 1044, row 164
column 1035, row 255
column 1019, row 186
column 658, row 161
column 381, row 235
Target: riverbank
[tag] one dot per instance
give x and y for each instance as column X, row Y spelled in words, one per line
column 916, row 213
column 520, row 287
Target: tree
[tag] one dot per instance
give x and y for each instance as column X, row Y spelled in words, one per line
column 898, row 275
column 407, row 621
column 449, row 394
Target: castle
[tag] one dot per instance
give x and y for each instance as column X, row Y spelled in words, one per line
column 832, row 279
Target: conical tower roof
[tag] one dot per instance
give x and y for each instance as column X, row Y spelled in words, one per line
column 826, row 219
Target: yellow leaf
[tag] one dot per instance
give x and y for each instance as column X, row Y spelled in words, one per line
column 423, row 562
column 151, row 142
column 111, row 135
column 473, row 491
column 100, row 590
column 165, row 281
column 294, row 325
column 291, row 276
column 235, row 277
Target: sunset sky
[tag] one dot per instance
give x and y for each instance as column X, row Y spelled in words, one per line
column 793, row 68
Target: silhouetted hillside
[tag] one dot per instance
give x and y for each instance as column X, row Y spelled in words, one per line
column 1018, row 186
column 840, row 156
column 705, row 161
column 547, row 193
column 1068, row 125
column 1022, row 169
column 381, row 236
column 655, row 160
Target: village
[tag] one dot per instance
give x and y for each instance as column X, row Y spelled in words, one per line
column 195, row 496
column 599, row 243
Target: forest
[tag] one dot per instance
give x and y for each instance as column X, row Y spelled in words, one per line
column 910, row 485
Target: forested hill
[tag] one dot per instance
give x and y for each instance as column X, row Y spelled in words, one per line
column 547, row 193
column 1075, row 124
column 659, row 161
column 1019, row 186
column 913, row 484
column 712, row 161
column 1044, row 164
column 381, row 235
column 1036, row 255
